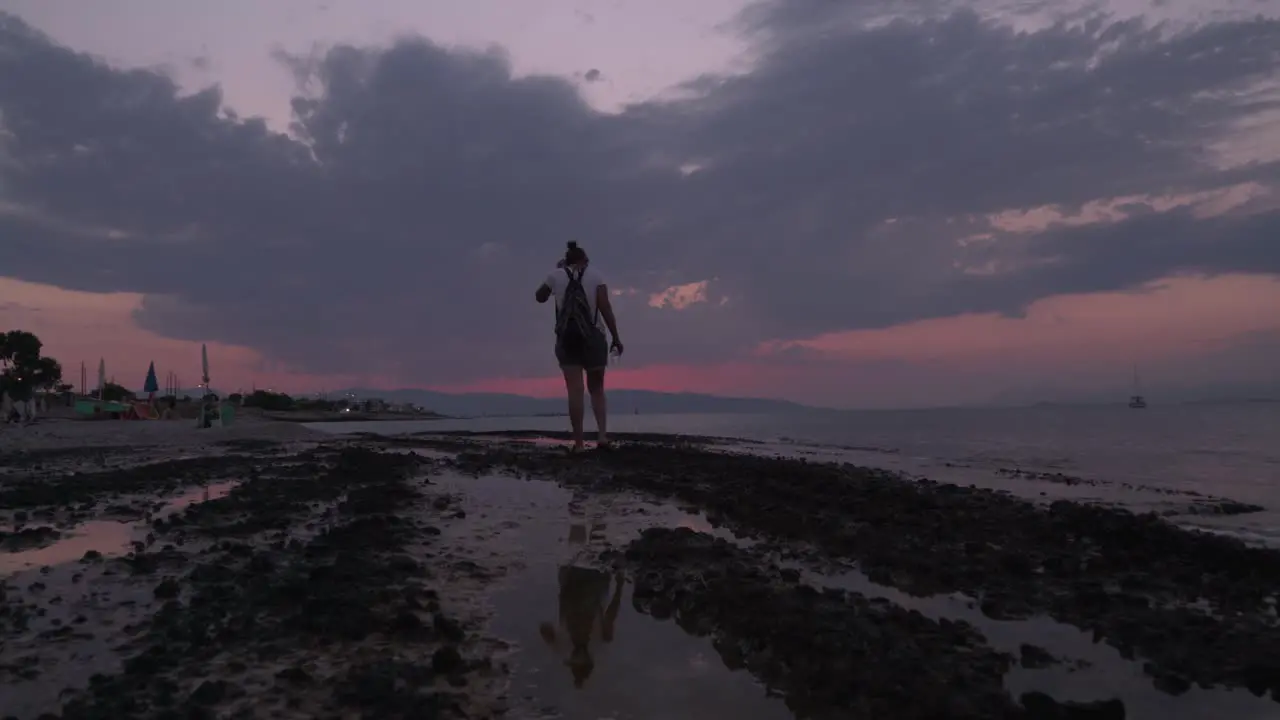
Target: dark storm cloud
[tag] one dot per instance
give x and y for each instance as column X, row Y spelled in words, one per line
column 1124, row 255
column 403, row 224
column 829, row 137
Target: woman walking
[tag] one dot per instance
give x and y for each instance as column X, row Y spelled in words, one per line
column 582, row 302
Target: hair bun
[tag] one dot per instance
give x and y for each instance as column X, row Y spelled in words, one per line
column 573, row 244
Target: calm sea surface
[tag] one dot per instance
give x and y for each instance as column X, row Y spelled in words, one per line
column 1132, row 457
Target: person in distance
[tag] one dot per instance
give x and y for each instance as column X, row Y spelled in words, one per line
column 582, row 303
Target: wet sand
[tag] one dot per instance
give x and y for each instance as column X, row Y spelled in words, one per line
column 425, row 576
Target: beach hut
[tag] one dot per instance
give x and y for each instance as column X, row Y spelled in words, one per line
column 101, row 407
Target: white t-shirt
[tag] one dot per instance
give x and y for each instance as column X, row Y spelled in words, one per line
column 558, row 281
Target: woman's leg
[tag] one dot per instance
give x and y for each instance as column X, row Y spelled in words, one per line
column 597, row 361
column 599, row 404
column 573, row 386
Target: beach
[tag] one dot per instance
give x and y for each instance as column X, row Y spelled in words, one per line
column 272, row 570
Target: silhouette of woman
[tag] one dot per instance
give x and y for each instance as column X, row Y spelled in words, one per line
column 582, row 608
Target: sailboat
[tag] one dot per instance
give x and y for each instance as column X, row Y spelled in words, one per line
column 1136, row 400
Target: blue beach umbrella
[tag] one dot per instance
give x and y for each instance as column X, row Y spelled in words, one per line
column 151, row 386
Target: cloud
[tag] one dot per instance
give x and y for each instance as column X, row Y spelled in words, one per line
column 679, row 297
column 422, row 193
column 1071, row 330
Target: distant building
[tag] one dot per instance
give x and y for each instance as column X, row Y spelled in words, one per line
column 375, row 405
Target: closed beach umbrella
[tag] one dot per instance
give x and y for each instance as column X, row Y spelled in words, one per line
column 208, row 411
column 204, row 364
column 152, row 385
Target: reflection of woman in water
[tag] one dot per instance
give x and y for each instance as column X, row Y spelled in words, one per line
column 582, row 598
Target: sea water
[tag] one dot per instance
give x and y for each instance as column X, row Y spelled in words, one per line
column 1148, row 459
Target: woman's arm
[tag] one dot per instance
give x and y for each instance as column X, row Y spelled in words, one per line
column 605, row 306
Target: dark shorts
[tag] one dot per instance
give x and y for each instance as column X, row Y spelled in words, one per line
column 582, row 589
column 593, row 356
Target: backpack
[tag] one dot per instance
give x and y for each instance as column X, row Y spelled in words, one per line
column 575, row 322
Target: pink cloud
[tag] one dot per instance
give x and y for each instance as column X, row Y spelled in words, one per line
column 84, row 327
column 679, row 297
column 1174, row 316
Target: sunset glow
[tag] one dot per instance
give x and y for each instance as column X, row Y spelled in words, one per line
column 1042, row 202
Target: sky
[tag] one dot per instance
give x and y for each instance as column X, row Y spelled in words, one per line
column 852, row 204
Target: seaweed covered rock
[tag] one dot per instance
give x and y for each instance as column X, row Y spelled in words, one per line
column 831, row 653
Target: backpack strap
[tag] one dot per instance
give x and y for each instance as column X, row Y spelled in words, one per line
column 595, row 316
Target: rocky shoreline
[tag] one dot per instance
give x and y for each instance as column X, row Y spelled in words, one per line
column 1199, row 608
column 323, row 580
column 304, row 591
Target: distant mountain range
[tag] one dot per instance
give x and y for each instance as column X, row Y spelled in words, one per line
column 620, row 402
column 1156, row 394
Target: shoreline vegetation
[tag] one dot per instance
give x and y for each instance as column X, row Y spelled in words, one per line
column 280, row 572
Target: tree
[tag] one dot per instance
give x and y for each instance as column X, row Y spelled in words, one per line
column 19, row 345
column 47, row 373
column 22, row 368
column 116, row 393
column 269, row 400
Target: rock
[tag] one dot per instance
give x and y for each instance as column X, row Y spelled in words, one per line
column 447, row 629
column 1171, row 683
column 168, row 589
column 831, row 653
column 1034, row 657
column 295, row 675
column 446, row 660
column 210, row 692
column 28, row 538
column 408, row 624
column 1042, row 707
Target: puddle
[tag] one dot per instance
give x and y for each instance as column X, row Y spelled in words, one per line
column 109, row 537
column 195, row 496
column 530, row 528
column 77, row 623
column 105, row 536
column 649, row 668
column 1104, row 674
